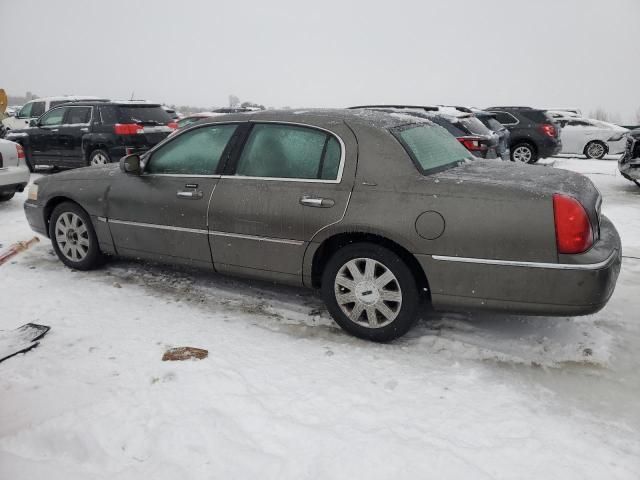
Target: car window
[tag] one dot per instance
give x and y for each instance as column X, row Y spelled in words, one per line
column 448, row 126
column 108, row 114
column 78, row 115
column 474, row 126
column 25, row 112
column 53, row 117
column 493, row 124
column 197, row 152
column 55, row 103
column 505, row 118
column 183, row 122
column 578, row 123
column 37, row 109
column 144, row 114
column 431, row 148
column 288, row 151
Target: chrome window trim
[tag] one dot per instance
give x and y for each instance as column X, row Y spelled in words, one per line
column 179, row 175
column 257, row 237
column 511, row 263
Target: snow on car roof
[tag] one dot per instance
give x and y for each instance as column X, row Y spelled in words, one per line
column 66, row 97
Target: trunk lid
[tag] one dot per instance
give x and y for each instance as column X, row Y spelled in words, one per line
column 536, row 180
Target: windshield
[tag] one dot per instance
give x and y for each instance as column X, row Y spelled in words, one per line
column 148, row 114
column 431, row 148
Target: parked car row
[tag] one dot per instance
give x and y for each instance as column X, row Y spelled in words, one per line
column 14, row 174
column 380, row 211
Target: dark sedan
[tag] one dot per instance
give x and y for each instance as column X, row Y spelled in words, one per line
column 378, row 211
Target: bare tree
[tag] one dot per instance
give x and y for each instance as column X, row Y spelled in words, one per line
column 233, row 101
column 600, row 114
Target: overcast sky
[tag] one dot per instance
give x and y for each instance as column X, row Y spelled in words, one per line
column 566, row 53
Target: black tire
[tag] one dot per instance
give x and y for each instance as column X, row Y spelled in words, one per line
column 98, row 157
column 524, row 152
column 87, row 239
column 5, row 197
column 404, row 283
column 595, row 150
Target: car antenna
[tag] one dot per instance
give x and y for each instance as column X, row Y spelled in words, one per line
column 133, row 92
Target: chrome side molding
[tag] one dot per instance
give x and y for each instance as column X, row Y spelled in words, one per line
column 511, row 263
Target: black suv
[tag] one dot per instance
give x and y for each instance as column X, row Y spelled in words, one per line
column 92, row 133
column 534, row 135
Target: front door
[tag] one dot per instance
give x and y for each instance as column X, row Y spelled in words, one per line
column 288, row 182
column 162, row 213
column 74, row 126
column 44, row 147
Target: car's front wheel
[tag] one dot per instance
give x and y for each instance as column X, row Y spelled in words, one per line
column 74, row 238
column 370, row 292
column 99, row 157
column 524, row 153
column 595, row 149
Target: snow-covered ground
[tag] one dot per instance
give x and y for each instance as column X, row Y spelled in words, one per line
column 285, row 394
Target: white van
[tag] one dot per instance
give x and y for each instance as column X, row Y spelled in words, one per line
column 37, row 107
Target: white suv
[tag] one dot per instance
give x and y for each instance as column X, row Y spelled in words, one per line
column 37, row 107
column 14, row 173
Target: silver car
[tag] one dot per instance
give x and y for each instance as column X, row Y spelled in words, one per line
column 14, row 173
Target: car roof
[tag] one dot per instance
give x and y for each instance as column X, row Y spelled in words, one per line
column 516, row 108
column 69, row 98
column 323, row 118
column 452, row 114
column 124, row 103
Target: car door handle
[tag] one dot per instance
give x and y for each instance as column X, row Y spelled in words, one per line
column 54, row 129
column 308, row 201
column 190, row 194
column 85, row 129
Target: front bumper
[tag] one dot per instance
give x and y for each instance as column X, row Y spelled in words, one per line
column 35, row 217
column 577, row 285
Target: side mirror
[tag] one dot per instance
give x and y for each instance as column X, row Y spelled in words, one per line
column 33, row 122
column 131, row 164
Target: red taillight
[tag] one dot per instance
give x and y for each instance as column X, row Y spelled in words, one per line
column 573, row 229
column 548, row 129
column 20, row 150
column 127, row 128
column 172, row 125
column 472, row 144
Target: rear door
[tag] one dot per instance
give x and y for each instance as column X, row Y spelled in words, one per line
column 162, row 213
column 288, row 183
column 44, row 143
column 74, row 126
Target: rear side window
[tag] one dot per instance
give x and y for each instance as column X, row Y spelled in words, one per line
column 78, row 115
column 197, row 152
column 287, row 151
column 505, row 118
column 448, row 126
column 431, row 148
column 108, row 114
column 493, row 124
column 144, row 114
column 55, row 103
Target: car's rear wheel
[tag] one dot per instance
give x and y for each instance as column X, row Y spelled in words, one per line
column 5, row 197
column 99, row 157
column 74, row 238
column 524, row 153
column 595, row 149
column 370, row 292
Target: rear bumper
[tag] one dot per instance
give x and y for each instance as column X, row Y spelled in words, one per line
column 13, row 179
column 549, row 147
column 580, row 285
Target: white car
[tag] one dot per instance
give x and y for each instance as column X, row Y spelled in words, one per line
column 37, row 107
column 593, row 138
column 14, row 173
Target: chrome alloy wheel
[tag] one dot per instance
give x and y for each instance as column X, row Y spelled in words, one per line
column 368, row 293
column 522, row 154
column 595, row 150
column 72, row 236
column 99, row 159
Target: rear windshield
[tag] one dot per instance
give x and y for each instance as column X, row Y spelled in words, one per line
column 448, row 126
column 144, row 114
column 474, row 126
column 431, row 148
column 493, row 124
column 537, row 116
